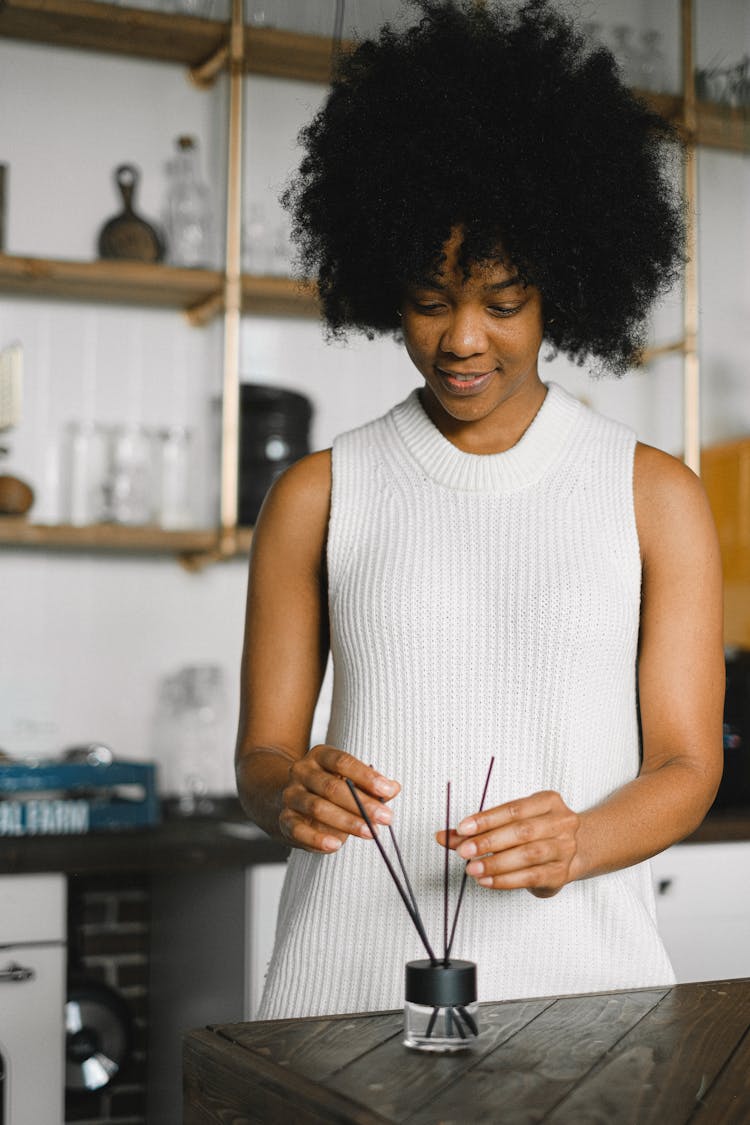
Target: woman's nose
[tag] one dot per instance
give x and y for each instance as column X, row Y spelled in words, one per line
column 465, row 335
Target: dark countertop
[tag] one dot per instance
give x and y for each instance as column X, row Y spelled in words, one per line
column 178, row 843
column 225, row 839
column 722, row 825
column 664, row 1056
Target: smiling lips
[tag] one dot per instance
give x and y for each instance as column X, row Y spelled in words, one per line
column 465, row 382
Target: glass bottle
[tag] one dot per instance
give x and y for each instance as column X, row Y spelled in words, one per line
column 188, row 218
column 651, row 76
column 174, row 508
column 202, row 746
column 441, row 1014
column 626, row 53
column 257, row 247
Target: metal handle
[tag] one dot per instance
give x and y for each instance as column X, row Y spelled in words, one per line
column 16, row 973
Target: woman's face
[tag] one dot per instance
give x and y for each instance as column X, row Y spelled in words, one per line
column 475, row 341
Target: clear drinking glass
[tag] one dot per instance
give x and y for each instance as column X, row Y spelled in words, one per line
column 127, row 489
column 84, row 461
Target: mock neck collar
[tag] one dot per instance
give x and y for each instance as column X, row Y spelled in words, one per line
column 515, row 468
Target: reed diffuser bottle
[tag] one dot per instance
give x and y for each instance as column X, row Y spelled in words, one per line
column 440, row 1010
column 441, row 1014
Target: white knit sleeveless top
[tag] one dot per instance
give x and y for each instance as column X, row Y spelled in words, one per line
column 480, row 605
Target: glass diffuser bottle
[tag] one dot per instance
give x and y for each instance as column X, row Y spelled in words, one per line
column 440, row 995
column 440, row 1009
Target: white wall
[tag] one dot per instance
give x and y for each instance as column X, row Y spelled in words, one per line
column 85, row 639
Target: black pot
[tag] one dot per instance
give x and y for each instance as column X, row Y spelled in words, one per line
column 274, row 433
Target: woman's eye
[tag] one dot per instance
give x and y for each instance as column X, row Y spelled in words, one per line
column 428, row 306
column 504, row 310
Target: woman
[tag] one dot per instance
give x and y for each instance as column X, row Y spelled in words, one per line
column 498, row 571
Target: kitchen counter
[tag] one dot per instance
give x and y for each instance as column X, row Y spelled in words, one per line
column 225, row 839
column 178, row 843
column 666, row 1056
column 722, row 824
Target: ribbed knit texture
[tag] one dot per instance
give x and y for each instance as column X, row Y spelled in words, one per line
column 479, row 605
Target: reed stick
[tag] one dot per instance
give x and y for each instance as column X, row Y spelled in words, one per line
column 413, row 912
column 465, row 876
column 446, row 872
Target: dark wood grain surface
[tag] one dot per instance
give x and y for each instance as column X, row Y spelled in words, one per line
column 668, row 1056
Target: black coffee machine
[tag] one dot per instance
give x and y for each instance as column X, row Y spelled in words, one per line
column 734, row 791
column 274, row 433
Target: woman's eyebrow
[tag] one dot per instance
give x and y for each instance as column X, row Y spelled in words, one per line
column 505, row 284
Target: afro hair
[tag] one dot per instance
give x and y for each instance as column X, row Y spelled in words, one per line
column 501, row 122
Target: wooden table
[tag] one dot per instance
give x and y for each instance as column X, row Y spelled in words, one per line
column 669, row 1055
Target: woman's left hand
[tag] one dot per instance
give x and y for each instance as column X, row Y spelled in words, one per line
column 529, row 843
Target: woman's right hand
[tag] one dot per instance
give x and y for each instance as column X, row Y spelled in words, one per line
column 318, row 811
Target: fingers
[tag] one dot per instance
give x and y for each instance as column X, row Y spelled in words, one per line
column 318, row 811
column 344, row 765
column 528, row 843
column 309, row 835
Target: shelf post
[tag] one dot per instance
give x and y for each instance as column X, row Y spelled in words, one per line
column 691, row 363
column 232, row 292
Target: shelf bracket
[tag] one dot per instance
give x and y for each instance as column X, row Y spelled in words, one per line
column 203, row 75
column 201, row 313
column 644, row 357
column 227, row 547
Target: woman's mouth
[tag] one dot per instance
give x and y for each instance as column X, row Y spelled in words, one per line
column 465, row 382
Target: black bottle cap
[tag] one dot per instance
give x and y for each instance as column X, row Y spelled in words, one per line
column 441, row 986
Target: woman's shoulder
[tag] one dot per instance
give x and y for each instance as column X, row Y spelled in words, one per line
column 672, row 508
column 295, row 510
column 660, row 477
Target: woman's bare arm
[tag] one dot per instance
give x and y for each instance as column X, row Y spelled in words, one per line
column 681, row 674
column 296, row 794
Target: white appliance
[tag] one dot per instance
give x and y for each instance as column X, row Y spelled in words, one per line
column 32, row 999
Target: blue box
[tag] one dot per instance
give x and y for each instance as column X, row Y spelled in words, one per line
column 72, row 798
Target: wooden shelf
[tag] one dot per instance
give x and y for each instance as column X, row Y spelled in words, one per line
column 19, row 532
column 149, row 285
column 162, row 36
column 112, row 29
column 278, row 296
column 288, row 54
column 170, row 37
column 119, row 282
column 717, row 126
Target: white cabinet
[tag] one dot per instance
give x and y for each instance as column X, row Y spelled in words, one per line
column 32, row 999
column 703, row 907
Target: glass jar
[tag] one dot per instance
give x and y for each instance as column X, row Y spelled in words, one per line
column 441, row 1014
column 174, row 508
column 192, row 741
